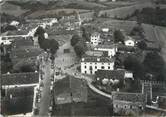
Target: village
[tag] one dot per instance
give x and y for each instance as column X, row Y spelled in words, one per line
column 83, row 63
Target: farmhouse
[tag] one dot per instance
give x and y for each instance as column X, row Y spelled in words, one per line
column 95, row 38
column 129, row 41
column 110, row 49
column 90, row 64
column 128, row 103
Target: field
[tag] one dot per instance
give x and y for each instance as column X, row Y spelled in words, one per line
column 96, row 105
column 123, row 12
column 20, row 103
column 39, row 13
column 12, row 9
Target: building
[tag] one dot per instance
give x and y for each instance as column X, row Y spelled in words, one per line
column 129, row 41
column 112, row 76
column 90, row 64
column 128, row 103
column 162, row 102
column 95, row 38
column 147, row 91
column 110, row 49
column 14, row 23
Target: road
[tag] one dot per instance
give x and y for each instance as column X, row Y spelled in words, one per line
column 45, row 99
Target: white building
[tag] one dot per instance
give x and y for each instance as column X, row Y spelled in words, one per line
column 95, row 38
column 5, row 41
column 14, row 23
column 110, row 49
column 129, row 41
column 90, row 64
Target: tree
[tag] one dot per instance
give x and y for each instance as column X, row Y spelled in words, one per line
column 54, row 46
column 154, row 62
column 79, row 50
column 26, row 68
column 85, row 34
column 75, row 39
column 118, row 36
column 10, row 28
column 39, row 31
column 142, row 45
column 132, row 64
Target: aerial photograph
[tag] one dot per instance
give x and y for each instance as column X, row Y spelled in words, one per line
column 82, row 58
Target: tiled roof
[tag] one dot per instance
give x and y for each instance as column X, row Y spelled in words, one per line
column 125, row 96
column 95, row 34
column 110, row 74
column 19, row 78
column 20, row 91
column 96, row 59
column 109, row 46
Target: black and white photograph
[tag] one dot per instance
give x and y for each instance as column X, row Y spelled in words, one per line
column 71, row 58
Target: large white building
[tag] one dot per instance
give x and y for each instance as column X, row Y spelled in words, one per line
column 95, row 38
column 110, row 49
column 90, row 64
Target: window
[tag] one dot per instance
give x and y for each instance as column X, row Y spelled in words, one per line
column 108, row 67
column 85, row 66
column 102, row 67
column 90, row 72
column 85, row 72
column 95, row 67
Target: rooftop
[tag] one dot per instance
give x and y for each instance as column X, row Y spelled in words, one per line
column 96, row 59
column 130, row 97
column 108, row 46
column 113, row 74
column 20, row 78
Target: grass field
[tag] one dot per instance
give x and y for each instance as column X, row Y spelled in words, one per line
column 122, row 12
column 20, row 103
column 96, row 105
column 12, row 9
column 39, row 13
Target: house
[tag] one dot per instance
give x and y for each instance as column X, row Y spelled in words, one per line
column 125, row 103
column 118, row 75
column 5, row 41
column 112, row 76
column 162, row 102
column 14, row 23
column 129, row 41
column 110, row 49
column 90, row 64
column 95, row 38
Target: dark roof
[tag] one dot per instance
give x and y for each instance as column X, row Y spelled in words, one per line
column 20, row 78
column 130, row 97
column 110, row 74
column 20, row 91
column 122, row 47
column 109, row 46
column 96, row 59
